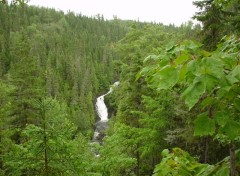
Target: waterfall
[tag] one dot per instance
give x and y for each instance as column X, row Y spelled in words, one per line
column 102, row 113
column 101, row 108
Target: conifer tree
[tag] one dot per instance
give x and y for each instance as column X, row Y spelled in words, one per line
column 26, row 76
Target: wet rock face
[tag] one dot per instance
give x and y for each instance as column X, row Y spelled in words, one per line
column 100, row 128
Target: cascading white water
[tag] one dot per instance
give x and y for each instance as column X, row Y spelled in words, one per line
column 101, row 106
column 102, row 112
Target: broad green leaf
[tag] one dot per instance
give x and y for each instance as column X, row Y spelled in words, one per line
column 179, row 49
column 203, row 125
column 237, row 103
column 231, row 129
column 182, row 58
column 204, row 170
column 165, row 152
column 232, row 93
column 151, row 57
column 189, row 77
column 205, row 53
column 207, row 101
column 231, row 79
column 170, row 46
column 229, row 59
column 182, row 72
column 193, row 93
column 192, row 44
column 166, row 78
column 212, row 66
column 144, row 71
column 163, row 60
column 193, row 67
column 210, row 81
column 223, row 170
column 221, row 118
column 139, row 74
column 223, row 91
column 236, row 72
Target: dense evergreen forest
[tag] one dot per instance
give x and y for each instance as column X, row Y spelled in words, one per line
column 175, row 112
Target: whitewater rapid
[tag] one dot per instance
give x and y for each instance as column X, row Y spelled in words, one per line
column 102, row 113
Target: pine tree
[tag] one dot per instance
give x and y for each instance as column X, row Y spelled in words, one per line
column 5, row 58
column 26, row 76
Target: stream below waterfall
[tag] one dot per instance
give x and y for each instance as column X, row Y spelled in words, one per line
column 102, row 113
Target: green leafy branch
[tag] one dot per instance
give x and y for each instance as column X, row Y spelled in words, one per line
column 208, row 80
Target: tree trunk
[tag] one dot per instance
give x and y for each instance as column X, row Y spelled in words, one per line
column 210, row 115
column 232, row 160
column 45, row 155
column 138, row 162
column 206, row 149
column 45, row 141
column 1, row 153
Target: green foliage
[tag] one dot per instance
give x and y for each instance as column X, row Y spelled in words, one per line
column 204, row 125
column 50, row 149
column 218, row 18
column 5, row 110
column 116, row 155
column 71, row 59
column 178, row 162
column 203, row 81
column 5, row 101
column 140, row 110
column 27, row 77
column 168, row 76
column 193, row 93
column 45, row 52
column 66, row 58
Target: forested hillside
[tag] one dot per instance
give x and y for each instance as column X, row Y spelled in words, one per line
column 175, row 112
column 52, row 67
column 179, row 91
